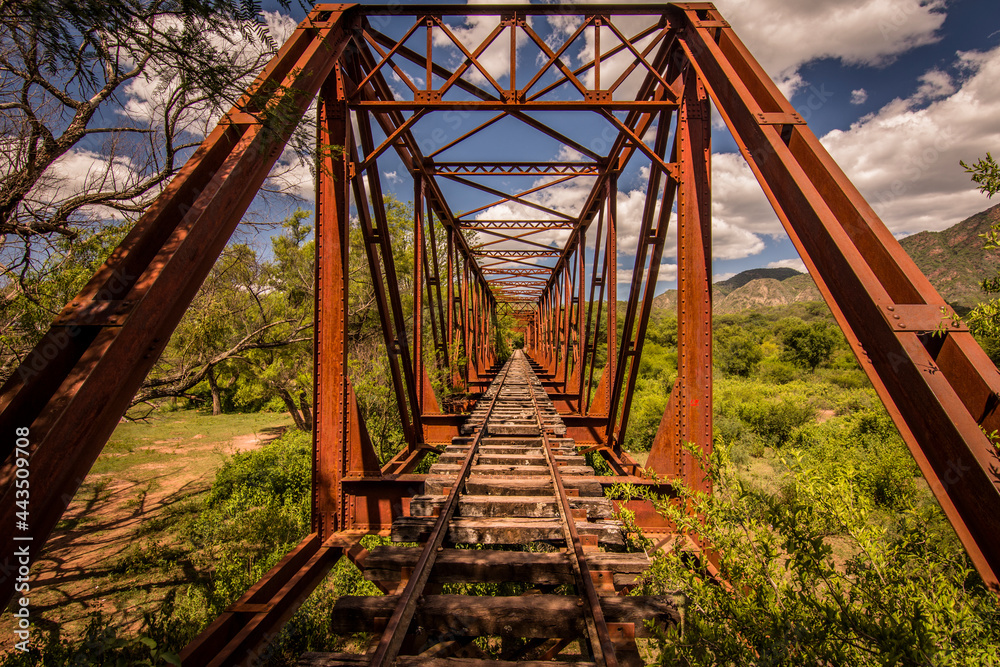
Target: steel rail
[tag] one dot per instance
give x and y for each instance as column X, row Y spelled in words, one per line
column 396, row 629
column 597, row 627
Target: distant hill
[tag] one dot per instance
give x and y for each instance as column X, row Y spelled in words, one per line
column 953, row 260
column 742, row 278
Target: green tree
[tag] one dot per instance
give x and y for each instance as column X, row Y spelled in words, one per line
column 31, row 300
column 69, row 70
column 901, row 591
column 809, row 345
column 248, row 332
column 737, row 350
column 984, row 319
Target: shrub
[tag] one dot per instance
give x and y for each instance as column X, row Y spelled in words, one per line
column 645, row 416
column 809, row 345
column 774, row 420
column 898, row 594
column 737, row 351
column 777, row 371
column 282, row 469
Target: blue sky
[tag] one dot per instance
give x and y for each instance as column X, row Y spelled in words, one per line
column 903, row 59
column 898, row 90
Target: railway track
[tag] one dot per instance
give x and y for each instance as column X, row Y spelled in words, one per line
column 520, row 560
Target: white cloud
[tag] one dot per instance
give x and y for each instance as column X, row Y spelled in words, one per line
column 793, row 263
column 904, row 158
column 859, row 96
column 81, row 171
column 472, row 33
column 934, row 85
column 732, row 242
column 720, row 277
column 785, row 34
column 392, row 176
column 738, row 199
column 279, row 26
column 666, row 273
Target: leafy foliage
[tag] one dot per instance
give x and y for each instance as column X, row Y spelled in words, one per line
column 984, row 319
column 809, row 345
column 737, row 351
column 985, row 173
column 820, row 577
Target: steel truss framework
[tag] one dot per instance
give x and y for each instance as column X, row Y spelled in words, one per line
column 553, row 271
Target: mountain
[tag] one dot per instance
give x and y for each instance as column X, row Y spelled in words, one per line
column 742, row 278
column 953, row 259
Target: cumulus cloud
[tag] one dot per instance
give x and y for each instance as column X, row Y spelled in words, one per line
column 793, row 263
column 859, row 96
column 666, row 273
column 785, row 34
column 471, row 33
column 904, row 158
column 934, row 85
column 83, row 171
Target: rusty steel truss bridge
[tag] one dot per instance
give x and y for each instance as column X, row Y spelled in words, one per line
column 391, row 79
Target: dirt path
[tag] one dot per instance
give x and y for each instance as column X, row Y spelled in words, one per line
column 116, row 549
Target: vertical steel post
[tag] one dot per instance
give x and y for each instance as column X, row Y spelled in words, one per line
column 688, row 418
column 450, row 312
column 418, row 289
column 330, row 437
column 340, row 442
column 611, row 259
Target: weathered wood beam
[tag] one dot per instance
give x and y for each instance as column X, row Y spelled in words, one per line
column 526, row 616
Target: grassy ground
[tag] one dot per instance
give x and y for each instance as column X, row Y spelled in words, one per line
column 117, row 549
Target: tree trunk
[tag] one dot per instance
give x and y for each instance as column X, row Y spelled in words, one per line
column 216, row 395
column 293, row 409
column 306, row 412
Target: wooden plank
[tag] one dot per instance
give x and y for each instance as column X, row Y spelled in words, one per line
column 510, row 506
column 491, row 486
column 415, row 661
column 542, row 616
column 385, row 563
column 514, row 530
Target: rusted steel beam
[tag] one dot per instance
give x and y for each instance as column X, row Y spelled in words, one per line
column 341, row 445
column 689, row 415
column 600, row 638
column 387, row 271
column 376, row 246
column 863, row 272
column 515, row 168
column 74, row 386
column 241, row 633
column 645, row 273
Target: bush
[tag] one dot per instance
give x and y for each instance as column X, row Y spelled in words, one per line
column 777, row 371
column 258, row 509
column 645, row 416
column 897, row 594
column 809, row 345
column 282, row 469
column 774, row 420
column 737, row 351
